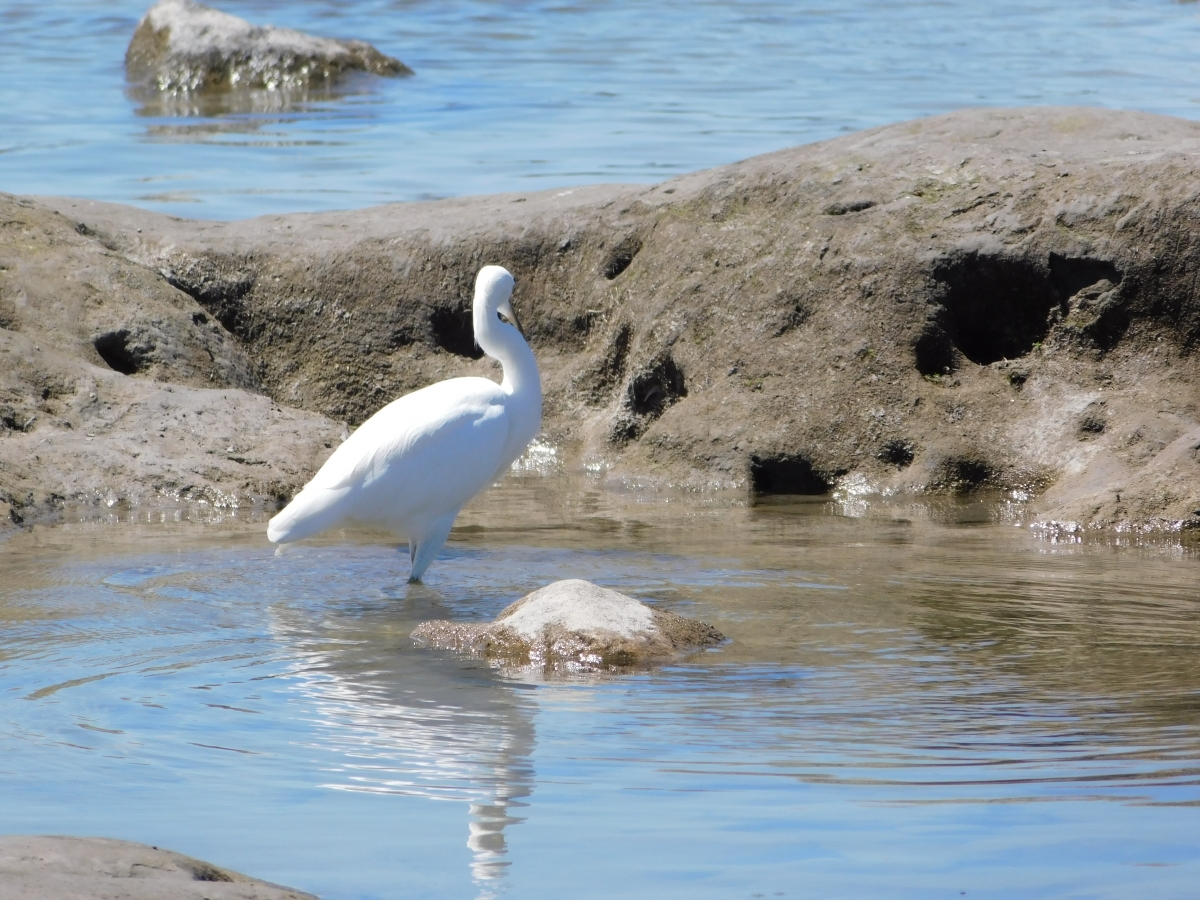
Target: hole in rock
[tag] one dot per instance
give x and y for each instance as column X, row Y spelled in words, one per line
column 964, row 474
column 204, row 872
column 786, row 474
column 996, row 307
column 454, row 332
column 1072, row 274
column 656, row 387
column 217, row 284
column 934, row 352
column 119, row 354
column 847, row 206
column 897, row 453
column 611, row 365
column 621, row 256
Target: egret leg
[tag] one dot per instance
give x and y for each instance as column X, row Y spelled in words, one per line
column 424, row 550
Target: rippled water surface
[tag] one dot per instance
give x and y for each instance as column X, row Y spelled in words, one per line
column 512, row 96
column 920, row 705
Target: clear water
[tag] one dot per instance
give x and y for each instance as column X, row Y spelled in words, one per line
column 512, row 96
column 935, row 704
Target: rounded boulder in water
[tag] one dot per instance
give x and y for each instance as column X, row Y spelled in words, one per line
column 574, row 625
column 181, row 46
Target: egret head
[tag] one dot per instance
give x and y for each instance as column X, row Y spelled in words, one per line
column 494, row 287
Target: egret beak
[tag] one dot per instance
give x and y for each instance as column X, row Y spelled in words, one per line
column 509, row 315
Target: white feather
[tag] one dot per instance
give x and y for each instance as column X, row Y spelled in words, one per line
column 413, row 464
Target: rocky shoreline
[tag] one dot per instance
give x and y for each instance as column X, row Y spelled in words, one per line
column 988, row 300
column 79, row 868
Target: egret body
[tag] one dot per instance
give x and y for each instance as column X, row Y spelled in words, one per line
column 414, row 464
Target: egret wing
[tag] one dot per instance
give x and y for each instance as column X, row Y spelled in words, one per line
column 431, row 415
column 425, row 453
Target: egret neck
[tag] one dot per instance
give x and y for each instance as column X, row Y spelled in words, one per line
column 503, row 342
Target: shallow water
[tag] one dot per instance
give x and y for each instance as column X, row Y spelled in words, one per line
column 513, row 96
column 914, row 705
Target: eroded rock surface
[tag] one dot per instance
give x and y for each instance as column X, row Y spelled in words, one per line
column 574, row 625
column 183, row 47
column 991, row 300
column 71, row 868
column 118, row 389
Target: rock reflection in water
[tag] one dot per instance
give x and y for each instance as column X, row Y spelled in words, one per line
column 154, row 104
column 418, row 724
column 917, row 701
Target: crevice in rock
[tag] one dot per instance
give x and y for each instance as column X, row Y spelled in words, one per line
column 202, row 871
column 620, row 257
column 612, row 363
column 656, row 387
column 934, row 352
column 794, row 312
column 897, row 453
column 1072, row 274
column 122, row 354
column 786, row 474
column 216, row 284
column 964, row 474
column 847, row 206
column 648, row 393
column 453, row 330
column 997, row 307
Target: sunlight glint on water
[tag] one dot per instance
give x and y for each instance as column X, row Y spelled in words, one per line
column 906, row 708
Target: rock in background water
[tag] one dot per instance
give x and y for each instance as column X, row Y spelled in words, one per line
column 182, row 47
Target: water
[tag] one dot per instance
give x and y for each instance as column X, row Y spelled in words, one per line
column 526, row 95
column 923, row 704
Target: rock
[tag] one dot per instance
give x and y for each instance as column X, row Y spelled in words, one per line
column 118, row 389
column 71, row 868
column 992, row 301
column 574, row 625
column 184, row 47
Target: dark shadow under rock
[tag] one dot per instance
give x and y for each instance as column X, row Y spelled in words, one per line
column 787, row 474
column 574, row 625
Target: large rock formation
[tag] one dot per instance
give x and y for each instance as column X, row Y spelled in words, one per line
column 54, row 868
column 118, row 389
column 182, row 47
column 989, row 300
column 574, row 625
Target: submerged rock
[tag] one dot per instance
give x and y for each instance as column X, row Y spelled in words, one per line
column 574, row 625
column 50, row 868
column 181, row 46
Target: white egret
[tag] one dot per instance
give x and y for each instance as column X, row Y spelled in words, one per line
column 412, row 465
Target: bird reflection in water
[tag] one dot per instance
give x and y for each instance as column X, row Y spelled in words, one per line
column 400, row 720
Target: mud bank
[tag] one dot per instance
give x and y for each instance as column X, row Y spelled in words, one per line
column 987, row 300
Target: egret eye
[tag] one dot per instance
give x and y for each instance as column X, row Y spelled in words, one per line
column 503, row 318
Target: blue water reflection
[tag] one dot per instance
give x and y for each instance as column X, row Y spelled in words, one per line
column 520, row 96
column 906, row 708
